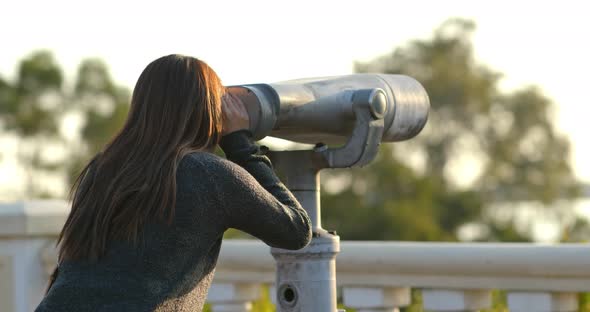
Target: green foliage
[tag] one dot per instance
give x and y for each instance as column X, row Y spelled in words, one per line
column 388, row 199
column 23, row 106
column 264, row 304
column 508, row 136
column 498, row 302
column 416, row 305
column 33, row 106
column 584, row 302
column 30, row 108
column 104, row 104
column 104, row 107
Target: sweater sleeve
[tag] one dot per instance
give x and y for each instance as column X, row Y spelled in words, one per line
column 256, row 201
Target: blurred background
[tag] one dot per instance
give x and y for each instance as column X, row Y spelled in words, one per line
column 502, row 158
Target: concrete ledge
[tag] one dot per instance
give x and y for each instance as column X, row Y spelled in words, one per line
column 33, row 218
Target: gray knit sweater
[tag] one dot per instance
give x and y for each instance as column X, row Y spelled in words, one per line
column 171, row 269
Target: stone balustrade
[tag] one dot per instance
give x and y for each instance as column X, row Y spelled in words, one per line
column 372, row 276
column 378, row 276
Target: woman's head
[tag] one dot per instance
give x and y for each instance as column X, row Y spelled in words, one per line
column 176, row 102
column 175, row 110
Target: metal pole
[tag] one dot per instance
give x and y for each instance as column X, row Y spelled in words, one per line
column 306, row 278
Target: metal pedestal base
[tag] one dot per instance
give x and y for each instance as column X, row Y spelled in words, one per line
column 306, row 278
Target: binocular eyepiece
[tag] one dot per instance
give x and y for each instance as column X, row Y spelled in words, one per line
column 321, row 109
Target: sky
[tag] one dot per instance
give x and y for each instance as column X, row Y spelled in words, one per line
column 532, row 42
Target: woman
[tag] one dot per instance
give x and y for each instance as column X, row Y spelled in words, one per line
column 149, row 211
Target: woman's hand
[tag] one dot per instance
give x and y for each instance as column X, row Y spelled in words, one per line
column 235, row 116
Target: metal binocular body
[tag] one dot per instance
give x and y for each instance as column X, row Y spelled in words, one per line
column 317, row 110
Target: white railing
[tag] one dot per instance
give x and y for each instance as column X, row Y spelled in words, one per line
column 373, row 276
column 378, row 276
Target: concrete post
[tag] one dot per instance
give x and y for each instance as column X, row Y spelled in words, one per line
column 234, row 297
column 27, row 228
column 520, row 301
column 376, row 299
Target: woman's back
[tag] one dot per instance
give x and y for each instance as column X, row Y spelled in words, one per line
column 171, row 266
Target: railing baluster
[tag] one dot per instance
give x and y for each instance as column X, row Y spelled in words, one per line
column 233, row 297
column 456, row 300
column 376, row 299
column 520, row 301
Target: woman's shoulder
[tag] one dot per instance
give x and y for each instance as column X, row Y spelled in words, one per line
column 206, row 160
column 215, row 167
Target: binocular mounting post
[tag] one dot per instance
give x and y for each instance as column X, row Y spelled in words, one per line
column 306, row 278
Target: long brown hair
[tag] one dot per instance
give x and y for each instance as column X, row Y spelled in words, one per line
column 175, row 110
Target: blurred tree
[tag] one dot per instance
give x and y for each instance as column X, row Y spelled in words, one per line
column 480, row 146
column 29, row 109
column 35, row 107
column 102, row 106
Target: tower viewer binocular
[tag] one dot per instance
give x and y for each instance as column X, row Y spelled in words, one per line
column 314, row 110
